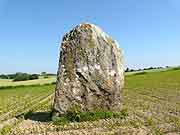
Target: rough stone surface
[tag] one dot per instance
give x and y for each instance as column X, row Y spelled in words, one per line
column 91, row 73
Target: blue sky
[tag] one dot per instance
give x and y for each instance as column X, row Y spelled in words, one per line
column 30, row 31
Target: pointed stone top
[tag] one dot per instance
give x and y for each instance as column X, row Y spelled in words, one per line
column 90, row 26
column 92, row 29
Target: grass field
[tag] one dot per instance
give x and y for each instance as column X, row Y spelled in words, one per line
column 151, row 99
column 15, row 101
column 154, row 99
column 41, row 81
column 151, row 70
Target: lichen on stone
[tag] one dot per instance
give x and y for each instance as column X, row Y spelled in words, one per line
column 91, row 72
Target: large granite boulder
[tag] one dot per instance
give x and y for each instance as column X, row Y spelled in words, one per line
column 91, row 73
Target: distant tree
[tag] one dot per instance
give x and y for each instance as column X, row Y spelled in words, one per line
column 33, row 76
column 50, row 74
column 43, row 73
column 127, row 70
column 21, row 77
column 150, row 68
column 159, row 67
column 11, row 76
column 145, row 69
column 3, row 76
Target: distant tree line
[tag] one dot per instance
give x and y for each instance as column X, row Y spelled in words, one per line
column 149, row 68
column 20, row 76
column 47, row 75
column 25, row 76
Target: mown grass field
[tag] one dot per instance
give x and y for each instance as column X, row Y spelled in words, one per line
column 151, row 99
column 20, row 98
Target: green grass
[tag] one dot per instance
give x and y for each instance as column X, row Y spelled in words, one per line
column 154, row 99
column 87, row 116
column 13, row 101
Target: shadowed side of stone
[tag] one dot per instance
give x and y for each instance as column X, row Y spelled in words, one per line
column 91, row 73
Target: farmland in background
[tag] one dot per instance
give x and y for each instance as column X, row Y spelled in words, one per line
column 40, row 81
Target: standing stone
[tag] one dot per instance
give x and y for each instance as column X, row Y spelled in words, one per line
column 91, row 73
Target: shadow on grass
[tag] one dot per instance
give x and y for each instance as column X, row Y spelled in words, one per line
column 38, row 116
